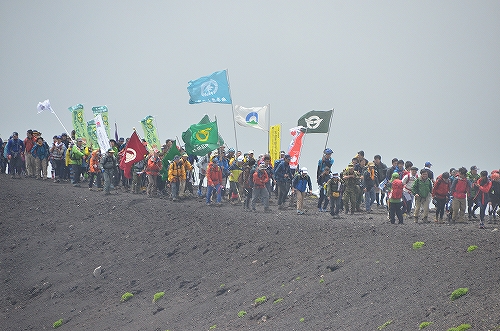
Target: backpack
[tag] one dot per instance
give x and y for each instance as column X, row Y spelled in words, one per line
column 397, row 190
column 260, row 178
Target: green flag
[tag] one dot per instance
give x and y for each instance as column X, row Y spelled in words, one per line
column 202, row 148
column 204, row 134
column 92, row 135
column 150, row 133
column 316, row 121
column 173, row 151
column 79, row 124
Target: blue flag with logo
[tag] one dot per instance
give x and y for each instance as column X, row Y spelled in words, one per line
column 213, row 88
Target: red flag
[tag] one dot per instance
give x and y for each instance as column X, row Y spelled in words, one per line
column 134, row 151
column 296, row 145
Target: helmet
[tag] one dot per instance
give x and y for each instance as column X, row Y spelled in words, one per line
column 328, row 151
column 231, row 150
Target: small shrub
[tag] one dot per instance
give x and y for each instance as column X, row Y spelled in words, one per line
column 298, row 278
column 458, row 293
column 322, row 280
column 418, row 244
column 278, row 300
column 423, row 325
column 302, row 319
column 461, row 327
column 471, row 248
column 158, row 296
column 384, row 325
column 213, row 327
column 126, row 296
column 57, row 323
column 241, row 313
column 260, row 300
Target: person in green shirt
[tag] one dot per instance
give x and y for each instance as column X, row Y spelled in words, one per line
column 422, row 188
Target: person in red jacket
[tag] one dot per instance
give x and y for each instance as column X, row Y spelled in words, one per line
column 396, row 199
column 440, row 193
column 260, row 178
column 459, row 190
column 482, row 198
column 214, row 181
column 152, row 171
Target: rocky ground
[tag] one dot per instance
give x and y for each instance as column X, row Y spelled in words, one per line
column 224, row 269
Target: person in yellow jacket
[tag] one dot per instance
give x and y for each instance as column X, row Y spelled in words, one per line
column 235, row 171
column 187, row 168
column 176, row 174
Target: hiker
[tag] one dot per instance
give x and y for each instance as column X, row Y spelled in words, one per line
column 408, row 180
column 334, row 193
column 108, row 165
column 214, row 181
column 14, row 151
column 370, row 181
column 422, row 188
column 283, row 176
column 76, row 155
column 323, row 197
column 176, row 175
column 380, row 171
column 395, row 197
column 459, row 190
column 57, row 153
column 472, row 204
column 350, row 179
column 95, row 172
column 483, row 185
column 300, row 185
column 29, row 142
column 440, row 193
column 40, row 153
column 260, row 178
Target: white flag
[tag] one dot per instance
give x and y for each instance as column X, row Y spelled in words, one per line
column 102, row 136
column 44, row 106
column 255, row 117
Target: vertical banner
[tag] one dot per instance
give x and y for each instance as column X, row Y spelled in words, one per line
column 275, row 141
column 296, row 145
column 150, row 133
column 102, row 136
column 79, row 124
column 103, row 111
column 92, row 135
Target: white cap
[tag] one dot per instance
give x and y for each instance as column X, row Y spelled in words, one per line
column 250, row 151
column 240, row 158
column 304, row 170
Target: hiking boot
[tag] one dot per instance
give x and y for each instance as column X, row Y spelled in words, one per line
column 300, row 212
column 481, row 226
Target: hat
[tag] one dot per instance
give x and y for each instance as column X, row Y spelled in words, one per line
column 240, row 158
column 474, row 168
column 177, row 157
column 303, row 170
column 15, row 133
column 395, row 175
column 29, row 131
column 250, row 151
column 184, row 154
column 328, row 151
column 428, row 164
column 121, row 139
column 64, row 134
column 335, row 175
column 80, row 139
column 371, row 164
column 287, row 157
column 111, row 150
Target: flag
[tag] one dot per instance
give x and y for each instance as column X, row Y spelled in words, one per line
column 92, row 135
column 201, row 149
column 275, row 141
column 172, row 152
column 103, row 110
column 79, row 124
column 255, row 117
column 316, row 121
column 44, row 106
column 116, row 133
column 213, row 88
column 150, row 133
column 134, row 152
column 102, row 136
column 205, row 133
column 296, row 145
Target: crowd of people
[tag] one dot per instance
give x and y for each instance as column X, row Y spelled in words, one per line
column 244, row 179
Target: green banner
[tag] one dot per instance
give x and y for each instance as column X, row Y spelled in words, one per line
column 92, row 135
column 79, row 124
column 172, row 152
column 103, row 110
column 201, row 148
column 150, row 133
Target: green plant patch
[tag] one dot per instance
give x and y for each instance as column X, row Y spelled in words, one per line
column 458, row 293
column 384, row 325
column 57, row 323
column 213, row 327
column 126, row 296
column 418, row 244
column 423, row 325
column 241, row 313
column 158, row 296
column 461, row 327
column 322, row 280
column 302, row 319
column 278, row 300
column 260, row 300
column 471, row 248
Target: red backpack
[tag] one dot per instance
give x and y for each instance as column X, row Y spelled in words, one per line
column 397, row 189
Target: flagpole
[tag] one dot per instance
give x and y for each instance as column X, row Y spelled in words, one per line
column 232, row 109
column 66, row 130
column 329, row 125
column 268, row 126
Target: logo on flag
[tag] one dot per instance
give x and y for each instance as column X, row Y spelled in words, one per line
column 316, row 121
column 254, row 117
column 212, row 88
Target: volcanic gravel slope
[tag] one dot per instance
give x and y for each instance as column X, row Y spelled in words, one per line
column 310, row 271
